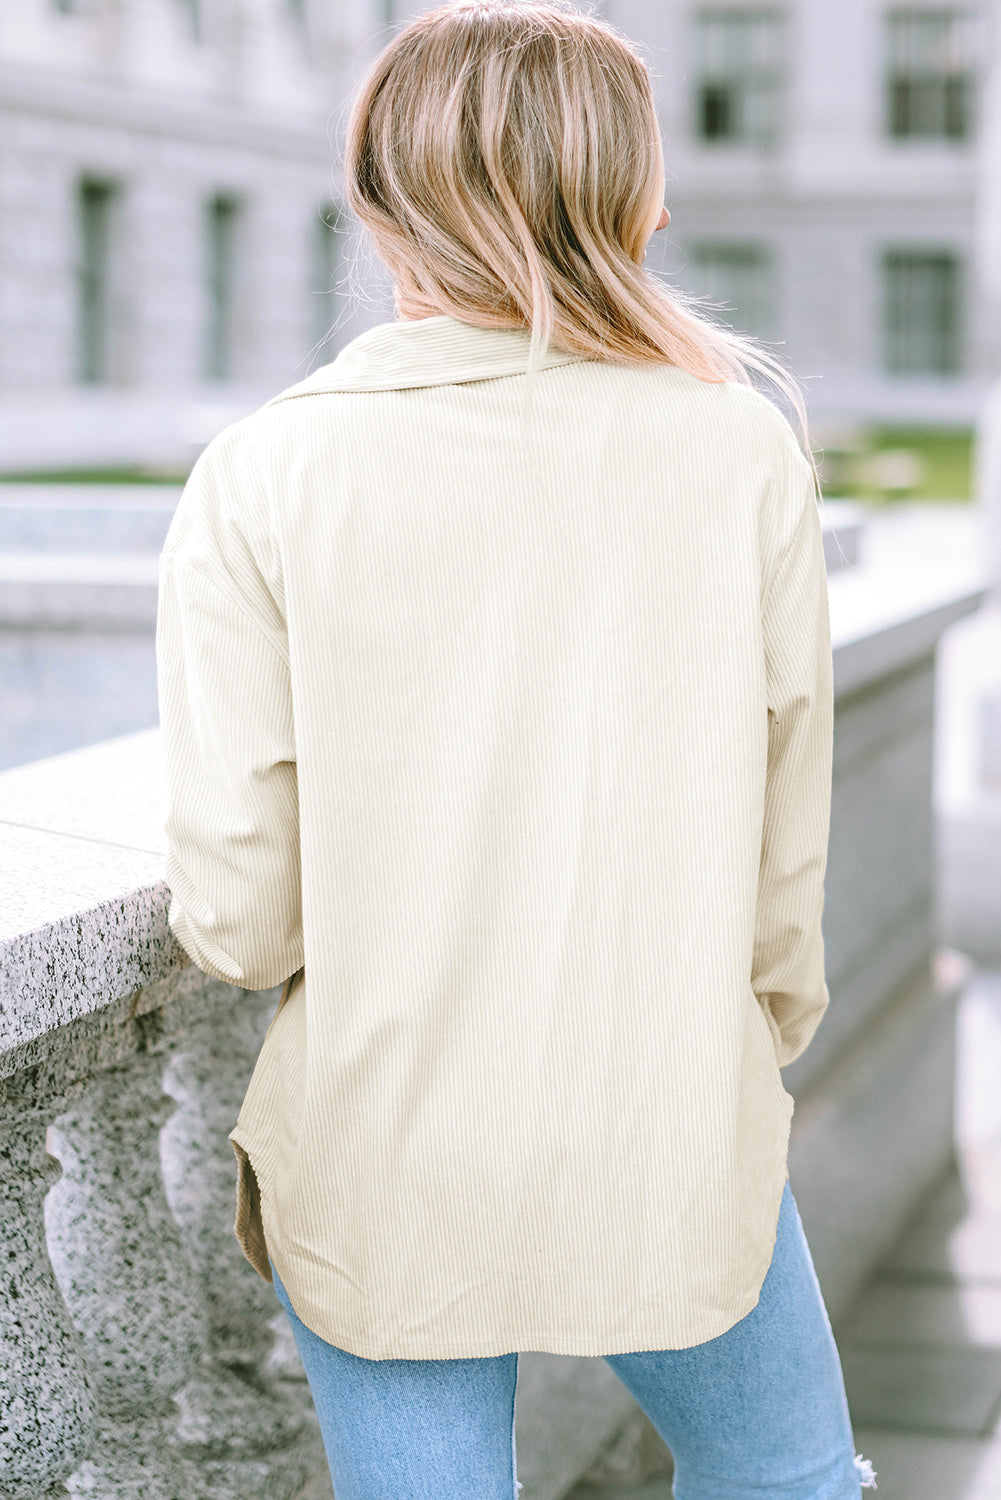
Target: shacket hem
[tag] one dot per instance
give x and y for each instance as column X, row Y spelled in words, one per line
column 253, row 1207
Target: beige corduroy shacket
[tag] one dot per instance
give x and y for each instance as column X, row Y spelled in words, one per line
column 500, row 706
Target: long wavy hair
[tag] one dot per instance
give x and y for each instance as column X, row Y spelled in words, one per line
column 505, row 157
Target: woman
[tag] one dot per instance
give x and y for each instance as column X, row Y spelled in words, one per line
column 497, row 704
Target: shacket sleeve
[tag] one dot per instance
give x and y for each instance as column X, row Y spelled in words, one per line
column 233, row 865
column 788, row 964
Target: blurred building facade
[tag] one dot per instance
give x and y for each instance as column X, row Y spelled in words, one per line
column 169, row 251
column 989, row 433
column 822, row 164
column 169, row 216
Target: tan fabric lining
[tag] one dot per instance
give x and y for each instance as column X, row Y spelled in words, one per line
column 249, row 1225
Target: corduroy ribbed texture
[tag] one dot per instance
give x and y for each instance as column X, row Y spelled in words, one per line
column 501, row 705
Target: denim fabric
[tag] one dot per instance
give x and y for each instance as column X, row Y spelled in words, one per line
column 758, row 1413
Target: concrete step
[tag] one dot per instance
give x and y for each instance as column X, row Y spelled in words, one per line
column 116, row 519
column 79, row 590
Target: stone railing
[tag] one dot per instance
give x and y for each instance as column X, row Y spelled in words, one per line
column 140, row 1355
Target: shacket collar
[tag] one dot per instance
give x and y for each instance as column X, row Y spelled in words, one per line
column 425, row 351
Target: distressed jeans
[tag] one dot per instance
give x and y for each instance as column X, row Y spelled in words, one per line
column 758, row 1413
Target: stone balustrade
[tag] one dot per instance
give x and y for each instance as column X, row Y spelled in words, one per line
column 138, row 1355
column 141, row 1356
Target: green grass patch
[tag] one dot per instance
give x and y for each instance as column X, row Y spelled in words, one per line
column 94, row 476
column 905, row 463
column 941, row 468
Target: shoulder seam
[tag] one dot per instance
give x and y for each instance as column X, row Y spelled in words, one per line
column 173, row 556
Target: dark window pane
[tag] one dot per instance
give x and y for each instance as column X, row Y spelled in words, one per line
column 193, row 9
column 957, row 108
column 929, row 77
column 93, row 276
column 739, row 63
column 921, row 313
column 741, row 277
column 716, row 113
column 221, row 274
column 900, row 106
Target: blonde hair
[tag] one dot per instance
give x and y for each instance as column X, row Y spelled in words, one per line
column 504, row 156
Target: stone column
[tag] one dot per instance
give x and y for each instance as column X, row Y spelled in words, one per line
column 126, row 1277
column 208, row 1072
column 47, row 1399
column 234, row 1409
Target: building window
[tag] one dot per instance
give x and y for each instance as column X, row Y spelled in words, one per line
column 739, row 276
column 222, row 225
column 95, row 206
column 328, row 239
column 299, row 15
column 193, row 15
column 929, row 79
column 921, row 312
column 739, row 76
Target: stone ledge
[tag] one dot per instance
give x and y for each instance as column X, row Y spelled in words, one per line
column 871, row 1133
column 113, row 792
column 70, row 1054
column 85, row 906
column 882, row 622
column 96, row 591
column 74, row 965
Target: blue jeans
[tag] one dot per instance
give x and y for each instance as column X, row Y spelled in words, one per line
column 758, row 1413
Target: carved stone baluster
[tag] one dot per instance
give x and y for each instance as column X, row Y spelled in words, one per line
column 234, row 1408
column 47, row 1416
column 126, row 1276
column 207, row 1075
